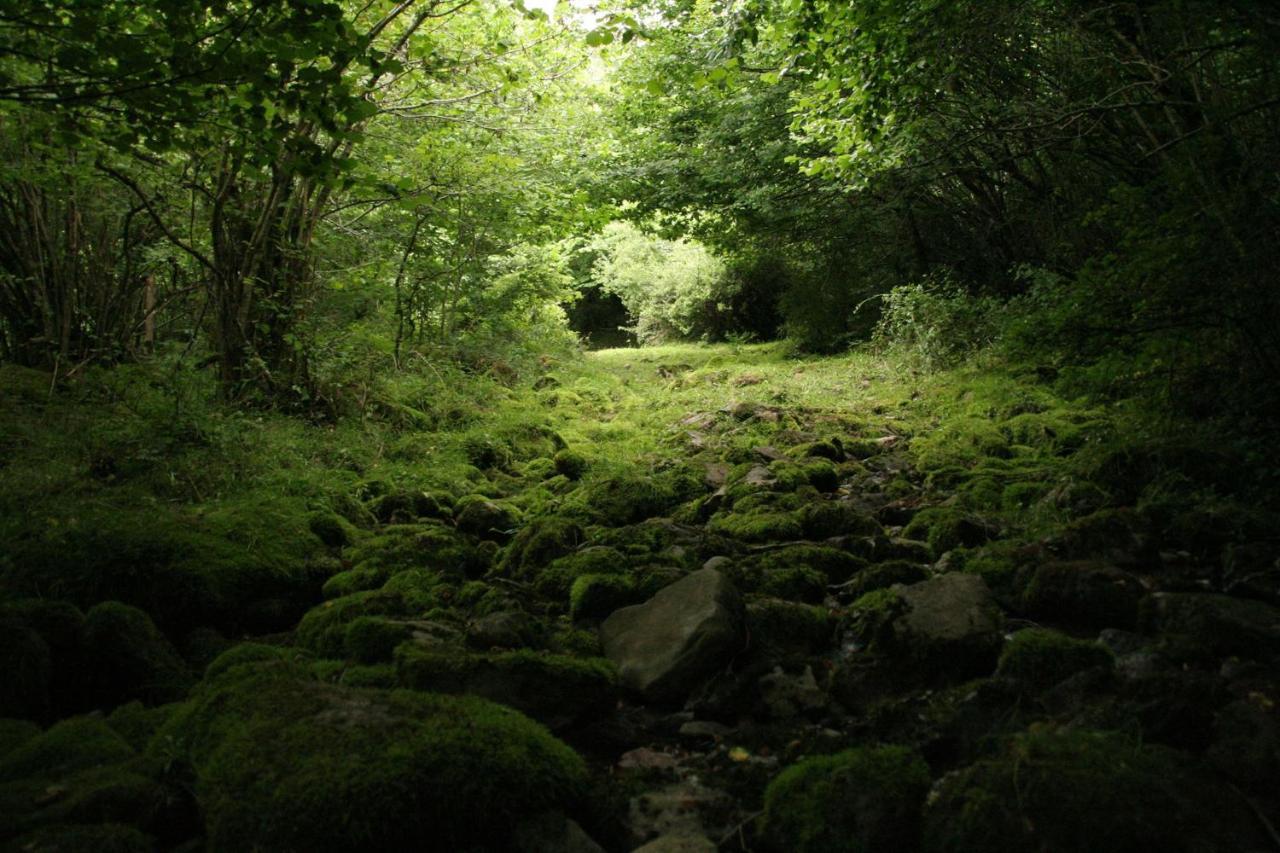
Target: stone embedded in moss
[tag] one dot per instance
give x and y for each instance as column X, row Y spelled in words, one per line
column 428, row 545
column 596, row 596
column 128, row 658
column 136, row 723
column 355, row 580
column 554, row 689
column 1084, row 790
column 625, row 498
column 283, row 762
column 570, row 463
column 75, row 744
column 831, row 449
column 862, row 800
column 1041, row 658
column 538, row 469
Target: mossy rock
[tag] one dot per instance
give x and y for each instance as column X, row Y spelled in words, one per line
column 540, row 542
column 243, row 654
column 570, row 463
column 795, row 583
column 861, row 800
column 757, row 526
column 945, row 528
column 624, row 498
column 881, row 576
column 596, row 596
column 485, row 518
column 27, row 665
column 1038, row 657
column 557, row 579
column 819, row 474
column 323, row 629
column 835, row 565
column 86, row 838
column 136, row 723
column 1079, row 790
column 779, row 628
column 14, row 733
column 331, row 529
column 128, row 658
column 554, row 689
column 355, row 580
column 429, row 545
column 370, row 639
column 824, row 519
column 283, row 762
column 1095, row 595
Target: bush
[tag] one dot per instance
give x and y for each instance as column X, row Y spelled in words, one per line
column 935, row 321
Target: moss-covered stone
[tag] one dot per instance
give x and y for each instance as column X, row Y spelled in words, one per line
column 945, row 528
column 323, row 629
column 283, row 762
column 1084, row 593
column 624, row 498
column 128, row 658
column 86, row 838
column 824, row 519
column 553, row 689
column 68, row 746
column 777, row 627
column 858, row 801
column 556, row 579
column 248, row 653
column 429, row 545
column 485, row 518
column 757, row 526
column 570, row 463
column 540, row 542
column 27, row 666
column 596, row 596
column 370, row 639
column 1083, row 790
column 136, row 723
column 331, row 529
column 795, row 583
column 881, row 576
column 1040, row 658
column 14, row 733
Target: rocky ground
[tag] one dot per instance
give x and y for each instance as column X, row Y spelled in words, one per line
column 700, row 602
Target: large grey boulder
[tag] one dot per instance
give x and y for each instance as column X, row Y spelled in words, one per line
column 665, row 647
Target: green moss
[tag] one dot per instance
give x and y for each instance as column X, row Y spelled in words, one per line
column 823, row 519
column 68, row 746
column 570, row 463
column 757, row 526
column 1041, row 658
column 128, row 658
column 820, row 474
column 1022, row 496
column 381, row 675
column 485, row 518
column 323, row 629
column 945, row 528
column 247, row 653
column 623, row 498
column 136, row 723
column 555, row 689
column 596, row 596
column 14, row 733
column 556, row 579
column 1082, row 790
column 779, row 627
column 539, row 469
column 286, row 763
column 331, row 529
column 540, row 542
column 370, row 639
column 796, row 583
column 429, row 545
column 883, row 575
column 27, row 665
column 86, row 838
column 858, row 801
